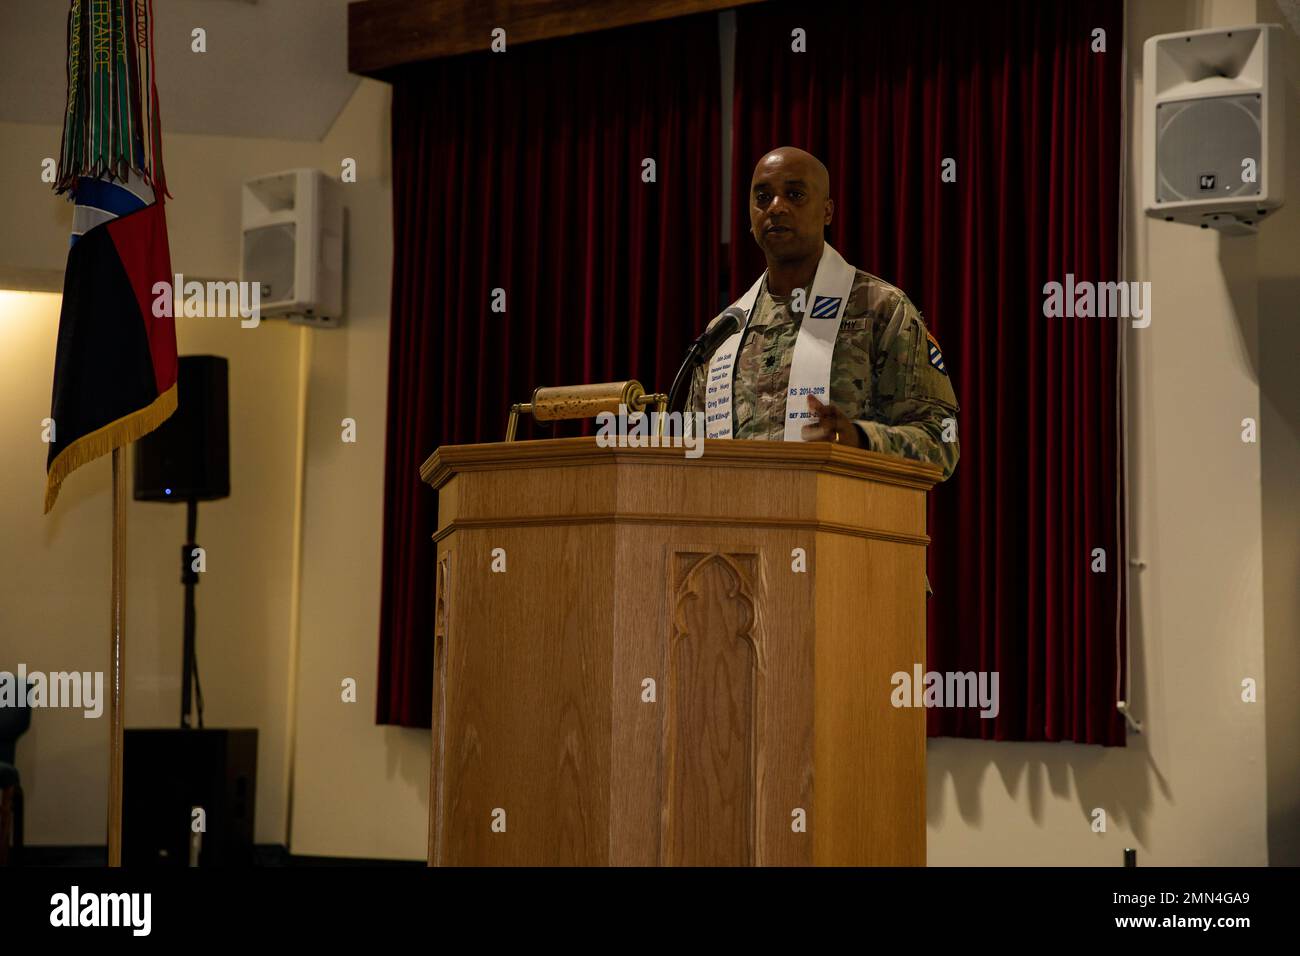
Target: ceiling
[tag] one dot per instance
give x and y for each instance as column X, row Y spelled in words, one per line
column 273, row 68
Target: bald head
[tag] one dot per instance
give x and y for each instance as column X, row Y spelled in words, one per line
column 790, row 204
column 795, row 159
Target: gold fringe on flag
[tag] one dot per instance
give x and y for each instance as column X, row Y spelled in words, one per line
column 101, row 441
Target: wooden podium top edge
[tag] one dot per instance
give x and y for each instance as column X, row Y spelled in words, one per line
column 449, row 460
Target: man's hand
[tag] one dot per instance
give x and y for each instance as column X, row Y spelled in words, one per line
column 831, row 425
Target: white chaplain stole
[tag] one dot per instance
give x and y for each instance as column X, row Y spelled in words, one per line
column 810, row 369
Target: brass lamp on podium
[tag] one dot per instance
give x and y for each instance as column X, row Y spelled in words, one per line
column 563, row 402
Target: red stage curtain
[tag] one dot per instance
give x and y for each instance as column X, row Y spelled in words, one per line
column 524, row 172
column 1016, row 95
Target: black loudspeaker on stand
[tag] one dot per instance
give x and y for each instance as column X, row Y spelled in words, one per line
column 169, row 774
column 187, row 458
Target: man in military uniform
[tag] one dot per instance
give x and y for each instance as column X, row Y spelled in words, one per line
column 888, row 391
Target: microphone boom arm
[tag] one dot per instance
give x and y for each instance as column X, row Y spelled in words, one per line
column 701, row 349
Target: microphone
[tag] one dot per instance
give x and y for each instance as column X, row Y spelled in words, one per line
column 720, row 331
column 700, row 351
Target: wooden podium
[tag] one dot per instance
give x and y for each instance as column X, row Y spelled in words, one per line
column 645, row 659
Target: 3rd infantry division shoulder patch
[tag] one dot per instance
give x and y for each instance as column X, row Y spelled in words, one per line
column 936, row 357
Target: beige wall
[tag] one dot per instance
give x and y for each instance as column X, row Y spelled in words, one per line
column 54, row 571
column 359, row 789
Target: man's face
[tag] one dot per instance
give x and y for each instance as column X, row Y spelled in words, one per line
column 788, row 206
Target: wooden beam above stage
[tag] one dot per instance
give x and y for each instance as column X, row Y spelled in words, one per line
column 383, row 34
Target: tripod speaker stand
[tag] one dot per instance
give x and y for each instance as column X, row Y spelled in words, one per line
column 188, row 459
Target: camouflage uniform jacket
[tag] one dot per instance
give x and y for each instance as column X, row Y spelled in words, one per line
column 887, row 374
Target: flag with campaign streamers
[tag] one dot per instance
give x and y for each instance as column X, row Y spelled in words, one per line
column 115, row 365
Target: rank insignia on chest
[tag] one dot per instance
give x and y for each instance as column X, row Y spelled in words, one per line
column 936, row 357
column 825, row 307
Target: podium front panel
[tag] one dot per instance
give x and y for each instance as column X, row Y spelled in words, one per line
column 646, row 660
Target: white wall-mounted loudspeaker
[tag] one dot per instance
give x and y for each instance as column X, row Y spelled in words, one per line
column 293, row 245
column 1212, row 122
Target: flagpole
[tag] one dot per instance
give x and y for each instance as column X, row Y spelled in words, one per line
column 117, row 614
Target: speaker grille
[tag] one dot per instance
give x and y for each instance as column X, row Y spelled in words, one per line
column 1200, row 145
column 269, row 259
